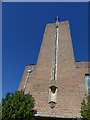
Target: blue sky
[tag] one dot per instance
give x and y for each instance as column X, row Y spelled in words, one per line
column 23, row 28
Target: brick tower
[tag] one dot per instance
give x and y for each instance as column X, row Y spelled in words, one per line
column 57, row 82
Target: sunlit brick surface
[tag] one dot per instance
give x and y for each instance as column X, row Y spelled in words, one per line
column 70, row 75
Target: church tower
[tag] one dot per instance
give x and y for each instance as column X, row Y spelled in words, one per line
column 57, row 82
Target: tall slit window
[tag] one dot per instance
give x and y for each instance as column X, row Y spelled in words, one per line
column 87, row 81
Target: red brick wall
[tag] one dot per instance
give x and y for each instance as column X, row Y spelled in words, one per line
column 70, row 78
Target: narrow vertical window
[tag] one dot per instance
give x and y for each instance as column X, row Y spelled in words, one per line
column 53, row 86
column 87, row 81
column 54, row 70
column 28, row 72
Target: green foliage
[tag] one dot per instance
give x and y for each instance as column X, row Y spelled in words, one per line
column 17, row 106
column 85, row 108
column 0, row 110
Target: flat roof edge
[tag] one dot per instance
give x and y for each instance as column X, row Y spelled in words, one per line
column 82, row 61
column 30, row 64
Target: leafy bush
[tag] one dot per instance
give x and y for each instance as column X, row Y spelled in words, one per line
column 17, row 106
column 85, row 108
column 0, row 111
